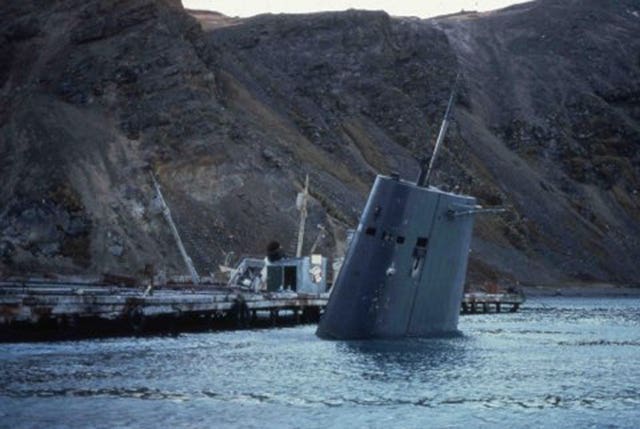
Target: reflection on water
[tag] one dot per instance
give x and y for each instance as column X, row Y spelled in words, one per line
column 567, row 362
column 413, row 357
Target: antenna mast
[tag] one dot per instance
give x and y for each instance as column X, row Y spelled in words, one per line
column 167, row 214
column 425, row 171
column 301, row 202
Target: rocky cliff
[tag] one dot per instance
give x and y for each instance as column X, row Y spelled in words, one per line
column 231, row 114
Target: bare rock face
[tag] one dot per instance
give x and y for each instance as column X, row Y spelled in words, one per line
column 232, row 114
column 82, row 82
column 556, row 84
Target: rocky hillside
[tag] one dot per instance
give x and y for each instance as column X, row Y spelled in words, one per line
column 230, row 115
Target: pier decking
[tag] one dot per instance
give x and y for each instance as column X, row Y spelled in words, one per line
column 480, row 302
column 43, row 310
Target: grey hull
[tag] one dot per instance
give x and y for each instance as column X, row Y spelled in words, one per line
column 404, row 272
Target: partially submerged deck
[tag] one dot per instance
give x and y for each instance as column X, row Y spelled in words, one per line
column 45, row 310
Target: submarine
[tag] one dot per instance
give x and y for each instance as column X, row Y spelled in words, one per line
column 404, row 271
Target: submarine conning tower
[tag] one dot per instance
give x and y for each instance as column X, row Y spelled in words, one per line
column 404, row 271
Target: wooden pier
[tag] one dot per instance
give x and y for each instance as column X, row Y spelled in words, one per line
column 481, row 302
column 59, row 310
column 48, row 310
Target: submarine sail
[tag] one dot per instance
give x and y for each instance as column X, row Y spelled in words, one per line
column 404, row 272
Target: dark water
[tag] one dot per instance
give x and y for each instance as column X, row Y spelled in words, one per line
column 560, row 362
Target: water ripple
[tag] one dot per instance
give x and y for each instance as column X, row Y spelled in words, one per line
column 574, row 361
